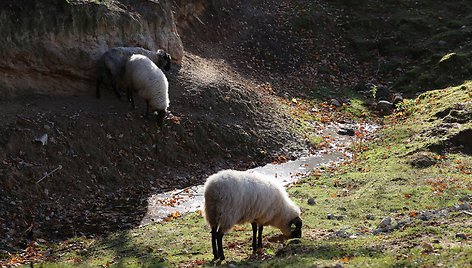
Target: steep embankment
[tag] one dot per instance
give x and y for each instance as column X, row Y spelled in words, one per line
column 52, row 46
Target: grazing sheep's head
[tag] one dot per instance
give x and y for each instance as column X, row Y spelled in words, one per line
column 295, row 226
column 166, row 58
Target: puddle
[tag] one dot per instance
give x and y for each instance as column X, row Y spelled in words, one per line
column 191, row 199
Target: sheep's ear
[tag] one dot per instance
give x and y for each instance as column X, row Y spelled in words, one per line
column 297, row 222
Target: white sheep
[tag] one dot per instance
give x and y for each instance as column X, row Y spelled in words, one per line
column 237, row 197
column 113, row 61
column 143, row 76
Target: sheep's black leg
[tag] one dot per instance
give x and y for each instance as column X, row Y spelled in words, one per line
column 259, row 238
column 220, row 245
column 97, row 90
column 254, row 233
column 160, row 117
column 213, row 243
column 147, row 108
column 129, row 94
column 115, row 88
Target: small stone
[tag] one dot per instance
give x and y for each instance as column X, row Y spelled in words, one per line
column 311, row 201
column 383, row 93
column 465, row 206
column 43, row 139
column 422, row 160
column 362, row 87
column 397, row 98
column 339, row 217
column 370, row 217
column 385, row 223
column 427, row 247
column 461, row 236
column 426, row 216
column 335, row 102
column 385, row 107
column 346, row 131
column 330, row 216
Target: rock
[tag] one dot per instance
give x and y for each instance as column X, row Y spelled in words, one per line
column 396, row 99
column 385, row 107
column 461, row 236
column 335, row 102
column 422, row 160
column 346, row 130
column 343, row 233
column 362, row 87
column 370, row 217
column 402, row 223
column 463, row 206
column 43, row 139
column 339, row 217
column 427, row 247
column 385, row 223
column 383, row 93
column 451, row 62
column 426, row 216
column 330, row 217
column 311, row 201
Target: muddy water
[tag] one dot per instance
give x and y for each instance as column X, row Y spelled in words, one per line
column 191, row 199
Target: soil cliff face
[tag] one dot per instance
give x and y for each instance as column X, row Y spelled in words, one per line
column 52, row 46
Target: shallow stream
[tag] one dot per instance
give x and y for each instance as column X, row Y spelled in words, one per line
column 179, row 201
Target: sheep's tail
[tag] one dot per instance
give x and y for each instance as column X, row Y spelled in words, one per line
column 211, row 214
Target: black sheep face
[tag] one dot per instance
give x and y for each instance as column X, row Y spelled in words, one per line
column 295, row 226
column 168, row 58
